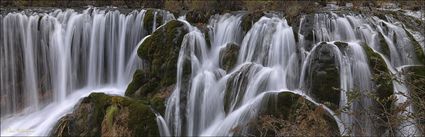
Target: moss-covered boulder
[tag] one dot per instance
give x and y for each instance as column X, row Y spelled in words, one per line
column 160, row 51
column 229, row 56
column 152, row 17
column 103, row 115
column 289, row 114
column 322, row 75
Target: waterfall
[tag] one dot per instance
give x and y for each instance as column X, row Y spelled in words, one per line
column 50, row 60
column 214, row 101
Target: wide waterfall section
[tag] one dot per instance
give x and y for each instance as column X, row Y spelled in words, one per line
column 51, row 59
column 271, row 60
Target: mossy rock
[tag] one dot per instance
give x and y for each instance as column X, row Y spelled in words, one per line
column 383, row 46
column 150, row 19
column 160, row 51
column 229, row 56
column 323, row 78
column 103, row 115
column 139, row 78
column 383, row 91
column 408, row 21
column 199, row 16
column 419, row 52
column 415, row 81
column 293, row 115
column 249, row 19
column 381, row 75
column 236, row 86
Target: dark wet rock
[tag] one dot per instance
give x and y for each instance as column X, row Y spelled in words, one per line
column 323, row 78
column 229, row 56
column 249, row 19
column 236, row 86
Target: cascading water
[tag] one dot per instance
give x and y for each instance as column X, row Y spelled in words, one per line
column 51, row 60
column 214, row 102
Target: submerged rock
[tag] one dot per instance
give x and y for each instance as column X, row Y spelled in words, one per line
column 103, row 115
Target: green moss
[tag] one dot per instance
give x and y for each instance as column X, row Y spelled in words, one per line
column 87, row 119
column 161, row 51
column 148, row 20
column 138, row 80
column 111, row 112
column 142, row 120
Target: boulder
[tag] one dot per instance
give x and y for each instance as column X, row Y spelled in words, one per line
column 103, row 115
column 229, row 56
column 322, row 75
column 160, row 51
